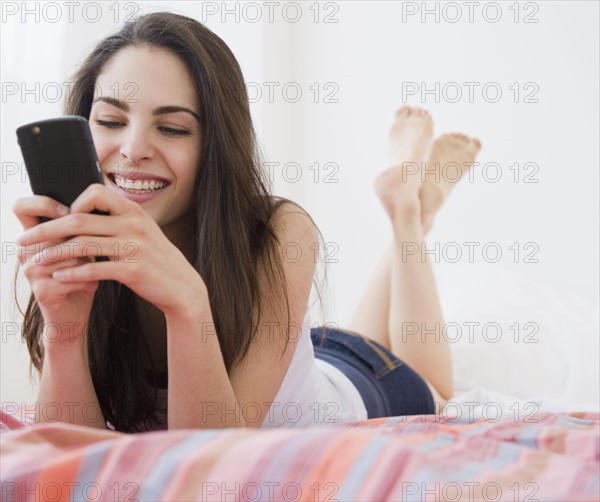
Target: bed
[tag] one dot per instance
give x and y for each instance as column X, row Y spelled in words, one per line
column 465, row 454
column 524, row 425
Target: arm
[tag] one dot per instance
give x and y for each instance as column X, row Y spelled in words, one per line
column 201, row 395
column 197, row 377
column 199, row 387
column 66, row 390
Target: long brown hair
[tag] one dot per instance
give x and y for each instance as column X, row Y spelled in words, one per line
column 230, row 235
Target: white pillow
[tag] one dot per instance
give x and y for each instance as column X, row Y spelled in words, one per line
column 561, row 363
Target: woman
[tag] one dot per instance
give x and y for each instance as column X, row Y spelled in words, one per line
column 197, row 311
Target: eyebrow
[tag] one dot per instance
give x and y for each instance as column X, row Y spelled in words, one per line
column 161, row 110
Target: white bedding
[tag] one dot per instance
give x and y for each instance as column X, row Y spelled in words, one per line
column 554, row 361
column 493, row 406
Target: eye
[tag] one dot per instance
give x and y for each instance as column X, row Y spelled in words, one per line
column 171, row 131
column 109, row 124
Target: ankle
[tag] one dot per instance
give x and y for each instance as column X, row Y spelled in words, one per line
column 407, row 214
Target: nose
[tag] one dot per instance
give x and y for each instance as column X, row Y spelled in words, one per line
column 136, row 145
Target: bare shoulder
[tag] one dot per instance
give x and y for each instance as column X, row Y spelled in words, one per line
column 294, row 250
column 291, row 219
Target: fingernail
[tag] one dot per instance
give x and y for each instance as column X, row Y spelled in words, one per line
column 62, row 210
column 58, row 274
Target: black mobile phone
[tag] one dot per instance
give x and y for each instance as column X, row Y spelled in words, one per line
column 60, row 157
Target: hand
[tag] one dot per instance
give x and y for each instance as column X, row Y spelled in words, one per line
column 139, row 254
column 65, row 307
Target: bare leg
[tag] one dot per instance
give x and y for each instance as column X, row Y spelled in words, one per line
column 414, row 306
column 371, row 318
column 429, row 354
column 450, row 157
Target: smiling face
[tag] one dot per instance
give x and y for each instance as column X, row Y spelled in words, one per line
column 145, row 125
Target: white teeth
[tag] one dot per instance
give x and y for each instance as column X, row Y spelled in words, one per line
column 138, row 184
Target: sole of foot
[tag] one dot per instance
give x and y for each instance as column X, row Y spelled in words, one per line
column 450, row 157
column 398, row 186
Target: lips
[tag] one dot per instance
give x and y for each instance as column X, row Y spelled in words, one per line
column 138, row 187
column 138, row 184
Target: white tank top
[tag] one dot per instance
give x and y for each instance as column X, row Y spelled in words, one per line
column 314, row 392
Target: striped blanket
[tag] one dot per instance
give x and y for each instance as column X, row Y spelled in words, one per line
column 549, row 457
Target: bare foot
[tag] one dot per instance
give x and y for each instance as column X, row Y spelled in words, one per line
column 398, row 187
column 450, row 158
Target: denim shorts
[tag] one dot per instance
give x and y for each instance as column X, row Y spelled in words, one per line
column 387, row 386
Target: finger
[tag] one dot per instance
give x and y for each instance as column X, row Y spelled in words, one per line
column 45, row 253
column 29, row 209
column 34, row 269
column 90, row 247
column 50, row 291
column 29, row 252
column 73, row 224
column 97, row 271
column 100, row 197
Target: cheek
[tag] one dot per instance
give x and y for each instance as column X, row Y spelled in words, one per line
column 184, row 165
column 103, row 147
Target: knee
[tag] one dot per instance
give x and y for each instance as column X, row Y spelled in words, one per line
column 439, row 401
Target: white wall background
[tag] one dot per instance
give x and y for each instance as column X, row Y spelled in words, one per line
column 362, row 62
